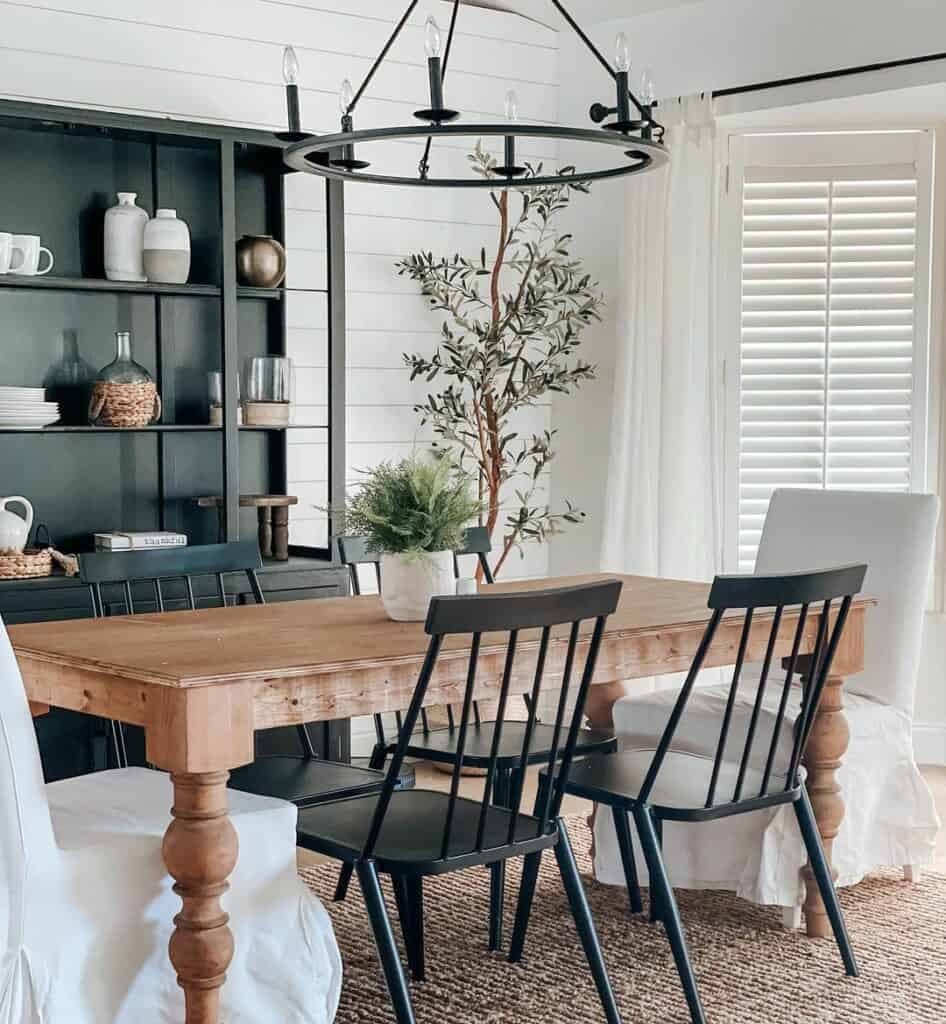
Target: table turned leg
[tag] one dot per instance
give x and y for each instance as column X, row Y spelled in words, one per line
column 827, row 744
column 200, row 852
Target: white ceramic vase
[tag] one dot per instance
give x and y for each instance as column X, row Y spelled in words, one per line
column 124, row 239
column 408, row 584
column 167, row 249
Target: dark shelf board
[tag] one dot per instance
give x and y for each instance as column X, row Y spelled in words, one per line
column 94, row 284
column 157, row 428
column 274, row 294
column 291, row 426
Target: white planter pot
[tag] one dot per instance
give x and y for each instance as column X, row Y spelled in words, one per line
column 167, row 249
column 408, row 584
column 124, row 240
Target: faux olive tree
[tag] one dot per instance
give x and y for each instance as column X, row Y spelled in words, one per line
column 510, row 340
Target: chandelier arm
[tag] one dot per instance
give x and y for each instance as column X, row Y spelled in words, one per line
column 450, row 31
column 424, row 165
column 387, row 46
column 583, row 36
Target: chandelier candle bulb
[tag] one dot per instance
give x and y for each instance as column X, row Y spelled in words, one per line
column 434, row 46
column 510, row 168
column 622, row 64
column 648, row 98
column 290, row 74
column 348, row 160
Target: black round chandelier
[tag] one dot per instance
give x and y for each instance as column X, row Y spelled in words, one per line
column 628, row 132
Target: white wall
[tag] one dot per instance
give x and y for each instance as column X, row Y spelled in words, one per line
column 184, row 60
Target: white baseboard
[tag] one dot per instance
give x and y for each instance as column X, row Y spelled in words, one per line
column 929, row 742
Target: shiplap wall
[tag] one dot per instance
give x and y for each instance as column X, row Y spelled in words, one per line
column 222, row 62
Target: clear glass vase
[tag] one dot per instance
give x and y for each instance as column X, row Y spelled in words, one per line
column 124, row 393
column 69, row 381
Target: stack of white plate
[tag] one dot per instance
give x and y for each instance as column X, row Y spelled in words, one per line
column 26, row 407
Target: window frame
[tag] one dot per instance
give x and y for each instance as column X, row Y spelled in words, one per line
column 858, row 147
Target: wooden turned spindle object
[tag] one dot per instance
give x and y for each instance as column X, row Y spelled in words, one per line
column 272, row 512
column 200, row 851
column 827, row 745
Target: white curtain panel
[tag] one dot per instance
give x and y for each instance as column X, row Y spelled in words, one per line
column 663, row 482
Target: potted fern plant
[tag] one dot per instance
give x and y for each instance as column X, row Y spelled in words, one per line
column 413, row 514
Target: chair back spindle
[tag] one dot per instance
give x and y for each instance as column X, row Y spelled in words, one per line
column 749, row 594
column 355, row 552
column 164, row 565
column 509, row 615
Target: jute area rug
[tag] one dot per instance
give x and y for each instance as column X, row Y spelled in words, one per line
column 750, row 970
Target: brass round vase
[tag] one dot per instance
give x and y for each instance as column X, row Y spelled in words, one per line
column 261, row 261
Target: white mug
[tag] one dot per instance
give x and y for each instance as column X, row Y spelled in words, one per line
column 30, row 252
column 6, row 251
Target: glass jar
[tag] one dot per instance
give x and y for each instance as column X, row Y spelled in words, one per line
column 267, row 390
column 124, row 393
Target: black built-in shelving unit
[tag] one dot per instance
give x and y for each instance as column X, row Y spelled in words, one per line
column 60, row 169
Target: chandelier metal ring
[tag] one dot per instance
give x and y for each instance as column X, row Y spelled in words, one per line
column 634, row 130
column 646, row 154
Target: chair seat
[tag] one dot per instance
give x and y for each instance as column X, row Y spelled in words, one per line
column 441, row 744
column 413, row 830
column 304, row 781
column 681, row 787
column 641, row 719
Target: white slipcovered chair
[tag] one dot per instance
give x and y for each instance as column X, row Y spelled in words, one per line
column 86, row 905
column 890, row 816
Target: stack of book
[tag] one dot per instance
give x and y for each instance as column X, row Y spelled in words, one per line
column 137, row 541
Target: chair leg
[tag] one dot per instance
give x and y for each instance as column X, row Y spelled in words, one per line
column 623, row 830
column 384, row 939
column 655, row 907
column 118, row 744
column 502, row 795
column 530, row 874
column 584, row 923
column 344, row 875
column 822, row 873
column 912, row 873
column 344, row 880
column 415, row 906
column 669, row 913
column 401, row 899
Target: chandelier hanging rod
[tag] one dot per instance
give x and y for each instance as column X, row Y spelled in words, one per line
column 380, row 58
column 599, row 56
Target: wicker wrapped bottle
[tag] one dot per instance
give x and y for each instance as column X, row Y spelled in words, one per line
column 124, row 393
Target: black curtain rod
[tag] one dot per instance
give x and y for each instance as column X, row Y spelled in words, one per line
column 824, row 75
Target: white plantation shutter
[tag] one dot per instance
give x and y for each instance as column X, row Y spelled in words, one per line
column 832, row 336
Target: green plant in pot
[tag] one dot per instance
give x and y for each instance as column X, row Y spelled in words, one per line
column 413, row 514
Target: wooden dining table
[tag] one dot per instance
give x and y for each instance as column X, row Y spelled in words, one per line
column 202, row 682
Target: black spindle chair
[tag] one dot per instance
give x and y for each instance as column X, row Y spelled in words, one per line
column 166, row 579
column 411, row 834
column 441, row 745
column 666, row 784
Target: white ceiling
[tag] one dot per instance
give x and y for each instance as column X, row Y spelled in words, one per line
column 585, row 11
